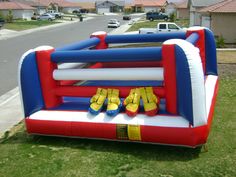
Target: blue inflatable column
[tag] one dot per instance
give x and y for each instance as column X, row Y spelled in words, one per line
column 207, row 47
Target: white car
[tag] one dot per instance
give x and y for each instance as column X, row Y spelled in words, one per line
column 113, row 23
column 46, row 16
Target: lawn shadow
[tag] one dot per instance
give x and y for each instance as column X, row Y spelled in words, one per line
column 139, row 150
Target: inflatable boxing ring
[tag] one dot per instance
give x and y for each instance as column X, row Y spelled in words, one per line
column 57, row 84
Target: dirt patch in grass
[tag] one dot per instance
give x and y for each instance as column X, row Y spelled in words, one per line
column 226, row 63
column 227, row 70
column 226, row 56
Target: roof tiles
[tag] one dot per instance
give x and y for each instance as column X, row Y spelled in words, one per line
column 182, row 5
column 14, row 6
column 204, row 3
column 227, row 6
column 149, row 3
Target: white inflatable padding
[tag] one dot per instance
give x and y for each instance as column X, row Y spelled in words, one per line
column 197, row 80
column 71, row 65
column 210, row 87
column 155, row 73
column 121, row 118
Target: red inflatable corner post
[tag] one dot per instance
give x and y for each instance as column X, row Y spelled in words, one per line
column 102, row 36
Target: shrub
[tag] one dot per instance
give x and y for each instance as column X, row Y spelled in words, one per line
column 128, row 10
column 172, row 17
column 220, row 42
column 1, row 15
column 9, row 17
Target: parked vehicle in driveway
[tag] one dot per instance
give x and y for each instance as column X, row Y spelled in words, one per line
column 161, row 27
column 2, row 21
column 46, row 16
column 126, row 17
column 35, row 17
column 113, row 23
column 156, row 16
column 55, row 13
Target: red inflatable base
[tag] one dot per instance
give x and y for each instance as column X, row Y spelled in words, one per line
column 190, row 137
column 122, row 128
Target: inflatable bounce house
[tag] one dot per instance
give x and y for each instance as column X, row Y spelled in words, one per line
column 164, row 95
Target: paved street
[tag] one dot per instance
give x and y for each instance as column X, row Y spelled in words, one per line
column 12, row 48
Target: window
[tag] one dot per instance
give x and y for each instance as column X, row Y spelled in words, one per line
column 162, row 26
column 172, row 26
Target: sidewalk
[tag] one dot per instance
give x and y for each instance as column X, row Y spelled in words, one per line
column 123, row 28
column 11, row 112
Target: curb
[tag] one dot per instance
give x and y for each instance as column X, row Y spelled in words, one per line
column 9, row 96
column 10, row 103
column 226, row 49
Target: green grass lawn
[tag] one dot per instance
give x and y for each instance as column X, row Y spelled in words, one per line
column 153, row 24
column 20, row 25
column 25, row 155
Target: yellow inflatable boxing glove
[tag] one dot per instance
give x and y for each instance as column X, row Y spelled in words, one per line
column 97, row 101
column 150, row 101
column 113, row 102
column 132, row 102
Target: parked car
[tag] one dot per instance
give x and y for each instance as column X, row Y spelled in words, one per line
column 161, row 27
column 126, row 17
column 35, row 17
column 83, row 11
column 46, row 16
column 156, row 16
column 113, row 23
column 55, row 13
column 2, row 21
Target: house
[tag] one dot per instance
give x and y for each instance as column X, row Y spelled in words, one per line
column 51, row 4
column 182, row 10
column 18, row 10
column 62, row 5
column 69, row 7
column 221, row 19
column 170, row 8
column 86, row 6
column 40, row 7
column 148, row 5
column 195, row 6
column 128, row 8
column 109, row 6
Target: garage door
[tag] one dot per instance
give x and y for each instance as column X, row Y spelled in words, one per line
column 103, row 10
